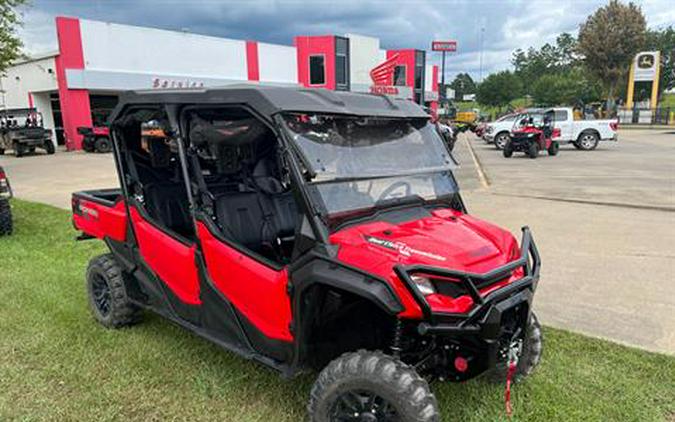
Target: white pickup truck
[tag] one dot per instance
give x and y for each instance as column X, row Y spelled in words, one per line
column 583, row 134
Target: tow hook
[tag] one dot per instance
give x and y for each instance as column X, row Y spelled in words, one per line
column 515, row 348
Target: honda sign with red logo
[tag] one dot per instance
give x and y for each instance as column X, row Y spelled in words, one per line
column 444, row 46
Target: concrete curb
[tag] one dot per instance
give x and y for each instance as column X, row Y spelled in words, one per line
column 482, row 175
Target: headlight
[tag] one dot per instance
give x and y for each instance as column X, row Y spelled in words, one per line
column 425, row 286
column 489, row 129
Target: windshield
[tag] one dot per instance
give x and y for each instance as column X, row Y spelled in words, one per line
column 507, row 118
column 528, row 119
column 359, row 163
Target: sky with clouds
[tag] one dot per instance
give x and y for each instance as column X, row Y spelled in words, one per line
column 494, row 27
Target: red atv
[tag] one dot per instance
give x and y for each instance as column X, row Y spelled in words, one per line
column 310, row 229
column 95, row 139
column 532, row 132
column 5, row 208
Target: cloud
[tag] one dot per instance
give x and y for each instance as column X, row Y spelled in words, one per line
column 495, row 27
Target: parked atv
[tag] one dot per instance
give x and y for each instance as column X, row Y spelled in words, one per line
column 5, row 210
column 532, row 133
column 22, row 130
column 310, row 229
column 95, row 139
column 447, row 134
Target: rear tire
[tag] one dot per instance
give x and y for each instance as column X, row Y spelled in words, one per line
column 508, row 149
column 6, row 225
column 501, row 139
column 553, row 148
column 102, row 145
column 588, row 141
column 49, row 147
column 532, row 150
column 375, row 387
column 2, row 151
column 533, row 346
column 107, row 294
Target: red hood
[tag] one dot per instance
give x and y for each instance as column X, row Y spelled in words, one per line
column 446, row 238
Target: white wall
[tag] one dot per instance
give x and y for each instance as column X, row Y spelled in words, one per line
column 43, row 104
column 33, row 76
column 30, row 76
column 123, row 48
column 428, row 77
column 364, row 55
column 277, row 63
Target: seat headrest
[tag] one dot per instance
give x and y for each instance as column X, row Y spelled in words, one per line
column 263, row 177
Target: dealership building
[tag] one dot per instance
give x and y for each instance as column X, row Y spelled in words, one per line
column 96, row 61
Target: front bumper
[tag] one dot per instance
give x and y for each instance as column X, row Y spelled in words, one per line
column 485, row 318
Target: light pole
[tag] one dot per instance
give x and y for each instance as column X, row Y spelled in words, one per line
column 480, row 71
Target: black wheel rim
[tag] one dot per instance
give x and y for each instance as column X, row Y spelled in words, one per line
column 361, row 405
column 101, row 295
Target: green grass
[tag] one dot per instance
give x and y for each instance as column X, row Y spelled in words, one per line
column 668, row 100
column 56, row 363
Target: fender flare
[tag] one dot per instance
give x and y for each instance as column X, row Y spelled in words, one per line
column 324, row 271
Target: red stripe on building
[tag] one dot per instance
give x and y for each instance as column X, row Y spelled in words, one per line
column 252, row 61
column 30, row 100
column 75, row 106
column 306, row 47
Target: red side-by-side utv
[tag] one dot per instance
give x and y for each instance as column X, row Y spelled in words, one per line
column 95, row 139
column 6, row 225
column 532, row 132
column 310, row 230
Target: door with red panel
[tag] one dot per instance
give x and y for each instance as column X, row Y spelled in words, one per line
column 170, row 257
column 257, row 289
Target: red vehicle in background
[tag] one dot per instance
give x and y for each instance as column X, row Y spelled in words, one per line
column 95, row 139
column 311, row 230
column 532, row 133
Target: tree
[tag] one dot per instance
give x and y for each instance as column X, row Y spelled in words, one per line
column 568, row 88
column 10, row 44
column 664, row 41
column 463, row 84
column 530, row 65
column 609, row 39
column 499, row 89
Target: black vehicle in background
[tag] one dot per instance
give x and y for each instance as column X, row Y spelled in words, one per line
column 22, row 130
column 5, row 210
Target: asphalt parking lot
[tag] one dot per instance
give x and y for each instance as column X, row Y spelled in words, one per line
column 604, row 221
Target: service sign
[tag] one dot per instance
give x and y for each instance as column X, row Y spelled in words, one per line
column 162, row 83
column 645, row 67
column 444, row 46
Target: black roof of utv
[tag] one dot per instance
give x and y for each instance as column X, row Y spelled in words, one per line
column 269, row 100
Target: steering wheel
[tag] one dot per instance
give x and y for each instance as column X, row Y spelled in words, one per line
column 393, row 187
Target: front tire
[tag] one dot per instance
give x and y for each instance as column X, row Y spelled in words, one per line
column 588, row 141
column 18, row 150
column 369, row 386
column 108, row 300
column 501, row 139
column 102, row 145
column 533, row 346
column 49, row 147
column 533, row 150
column 6, row 225
column 553, row 148
column 508, row 149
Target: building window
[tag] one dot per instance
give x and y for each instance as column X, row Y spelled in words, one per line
column 317, row 70
column 399, row 75
column 341, row 69
column 419, row 74
column 341, row 64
